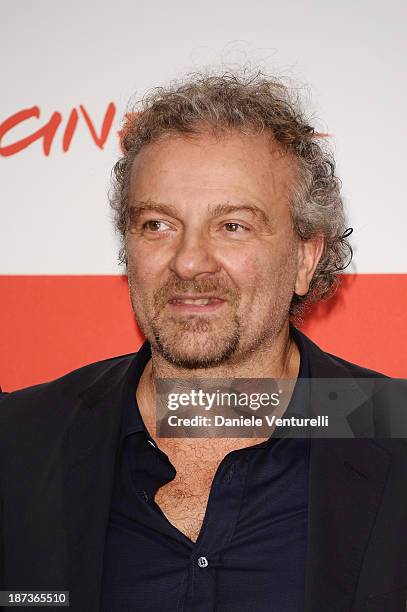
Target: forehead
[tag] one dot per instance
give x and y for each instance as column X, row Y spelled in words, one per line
column 208, row 169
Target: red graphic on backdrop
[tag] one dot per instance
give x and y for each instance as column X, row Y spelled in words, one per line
column 46, row 133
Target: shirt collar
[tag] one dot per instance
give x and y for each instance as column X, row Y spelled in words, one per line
column 299, row 402
column 298, row 338
column 131, row 417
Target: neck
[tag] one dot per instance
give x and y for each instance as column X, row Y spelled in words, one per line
column 279, row 358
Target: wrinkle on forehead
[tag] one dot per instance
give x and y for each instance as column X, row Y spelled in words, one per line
column 278, row 170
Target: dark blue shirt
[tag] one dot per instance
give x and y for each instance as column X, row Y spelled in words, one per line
column 251, row 550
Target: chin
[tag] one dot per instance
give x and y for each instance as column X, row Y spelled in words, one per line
column 195, row 350
column 193, row 361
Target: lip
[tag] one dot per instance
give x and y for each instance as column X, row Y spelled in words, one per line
column 178, row 306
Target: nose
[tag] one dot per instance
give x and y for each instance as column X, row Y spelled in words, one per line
column 193, row 256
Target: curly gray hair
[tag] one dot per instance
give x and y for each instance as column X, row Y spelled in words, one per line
column 249, row 104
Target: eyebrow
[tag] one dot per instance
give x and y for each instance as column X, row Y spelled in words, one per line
column 226, row 209
column 220, row 209
column 139, row 207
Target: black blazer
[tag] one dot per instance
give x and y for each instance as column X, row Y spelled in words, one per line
column 58, row 445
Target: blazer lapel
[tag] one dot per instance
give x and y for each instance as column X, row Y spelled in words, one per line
column 90, row 450
column 346, row 481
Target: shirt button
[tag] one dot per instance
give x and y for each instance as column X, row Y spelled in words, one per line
column 203, row 562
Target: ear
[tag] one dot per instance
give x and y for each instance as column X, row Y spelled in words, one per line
column 309, row 254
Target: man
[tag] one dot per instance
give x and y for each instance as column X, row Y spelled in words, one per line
column 232, row 223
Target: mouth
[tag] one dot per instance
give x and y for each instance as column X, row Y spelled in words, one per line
column 193, row 304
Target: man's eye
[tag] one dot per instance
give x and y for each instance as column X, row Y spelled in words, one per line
column 234, row 227
column 154, row 226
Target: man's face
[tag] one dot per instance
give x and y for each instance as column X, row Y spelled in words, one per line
column 212, row 253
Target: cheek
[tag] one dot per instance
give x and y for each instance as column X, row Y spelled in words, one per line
column 141, row 287
column 247, row 271
column 144, row 269
column 264, row 275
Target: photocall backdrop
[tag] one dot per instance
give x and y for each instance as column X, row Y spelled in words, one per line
column 68, row 72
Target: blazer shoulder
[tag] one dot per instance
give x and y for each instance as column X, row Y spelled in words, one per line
column 328, row 365
column 355, row 370
column 71, row 383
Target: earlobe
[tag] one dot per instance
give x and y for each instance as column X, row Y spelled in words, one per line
column 309, row 254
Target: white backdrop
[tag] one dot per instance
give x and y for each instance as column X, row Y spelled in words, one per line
column 58, row 55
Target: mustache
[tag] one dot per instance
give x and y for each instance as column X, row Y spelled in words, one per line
column 217, row 287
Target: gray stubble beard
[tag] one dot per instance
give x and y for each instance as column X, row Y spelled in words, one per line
column 202, row 362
